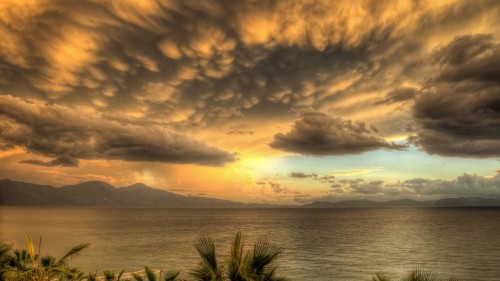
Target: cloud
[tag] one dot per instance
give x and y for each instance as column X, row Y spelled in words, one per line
column 459, row 115
column 240, row 132
column 301, row 175
column 64, row 161
column 465, row 185
column 277, row 188
column 313, row 176
column 316, row 133
column 399, row 95
column 68, row 134
column 216, row 59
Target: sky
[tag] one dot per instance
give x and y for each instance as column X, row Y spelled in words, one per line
column 255, row 101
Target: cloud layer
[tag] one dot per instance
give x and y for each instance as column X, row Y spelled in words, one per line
column 465, row 185
column 153, row 80
column 459, row 113
column 316, row 133
column 69, row 134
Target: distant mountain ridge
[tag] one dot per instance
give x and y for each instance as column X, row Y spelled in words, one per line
column 445, row 202
column 101, row 194
column 369, row 204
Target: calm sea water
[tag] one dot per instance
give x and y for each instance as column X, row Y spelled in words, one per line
column 321, row 244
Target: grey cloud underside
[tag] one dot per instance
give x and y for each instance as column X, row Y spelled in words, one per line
column 459, row 113
column 63, row 161
column 319, row 134
column 68, row 134
column 220, row 58
column 199, row 62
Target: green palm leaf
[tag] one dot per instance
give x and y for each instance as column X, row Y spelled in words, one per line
column 172, row 275
column 208, row 269
column 235, row 264
column 380, row 277
column 72, row 253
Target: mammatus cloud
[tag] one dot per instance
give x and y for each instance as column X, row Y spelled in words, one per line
column 184, row 61
column 316, row 133
column 459, row 115
column 68, row 134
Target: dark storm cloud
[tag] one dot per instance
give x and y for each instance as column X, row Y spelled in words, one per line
column 63, row 161
column 460, row 113
column 68, row 134
column 217, row 58
column 194, row 63
column 316, row 133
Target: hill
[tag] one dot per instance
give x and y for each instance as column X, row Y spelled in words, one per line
column 368, row 204
column 467, row 202
column 101, row 194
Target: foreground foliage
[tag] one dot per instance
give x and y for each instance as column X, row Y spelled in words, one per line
column 256, row 264
column 416, row 275
column 25, row 264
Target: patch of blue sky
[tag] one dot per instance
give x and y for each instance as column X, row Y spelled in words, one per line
column 386, row 165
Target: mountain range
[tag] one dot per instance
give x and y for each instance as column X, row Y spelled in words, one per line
column 101, row 194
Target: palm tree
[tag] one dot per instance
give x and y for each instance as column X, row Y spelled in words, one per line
column 150, row 275
column 255, row 265
column 112, row 276
column 26, row 265
column 208, row 269
column 260, row 261
column 416, row 275
column 5, row 249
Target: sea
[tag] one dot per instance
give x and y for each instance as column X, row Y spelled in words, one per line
column 319, row 244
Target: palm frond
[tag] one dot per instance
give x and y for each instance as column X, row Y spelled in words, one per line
column 47, row 261
column 235, row 263
column 72, row 253
column 150, row 274
column 263, row 255
column 137, row 277
column 5, row 249
column 202, row 273
column 30, row 248
column 208, row 269
column 91, row 277
column 172, row 275
column 421, row 275
column 109, row 275
column 380, row 277
column 120, row 275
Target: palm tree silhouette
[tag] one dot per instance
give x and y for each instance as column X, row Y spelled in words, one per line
column 258, row 264
column 416, row 275
column 24, row 264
